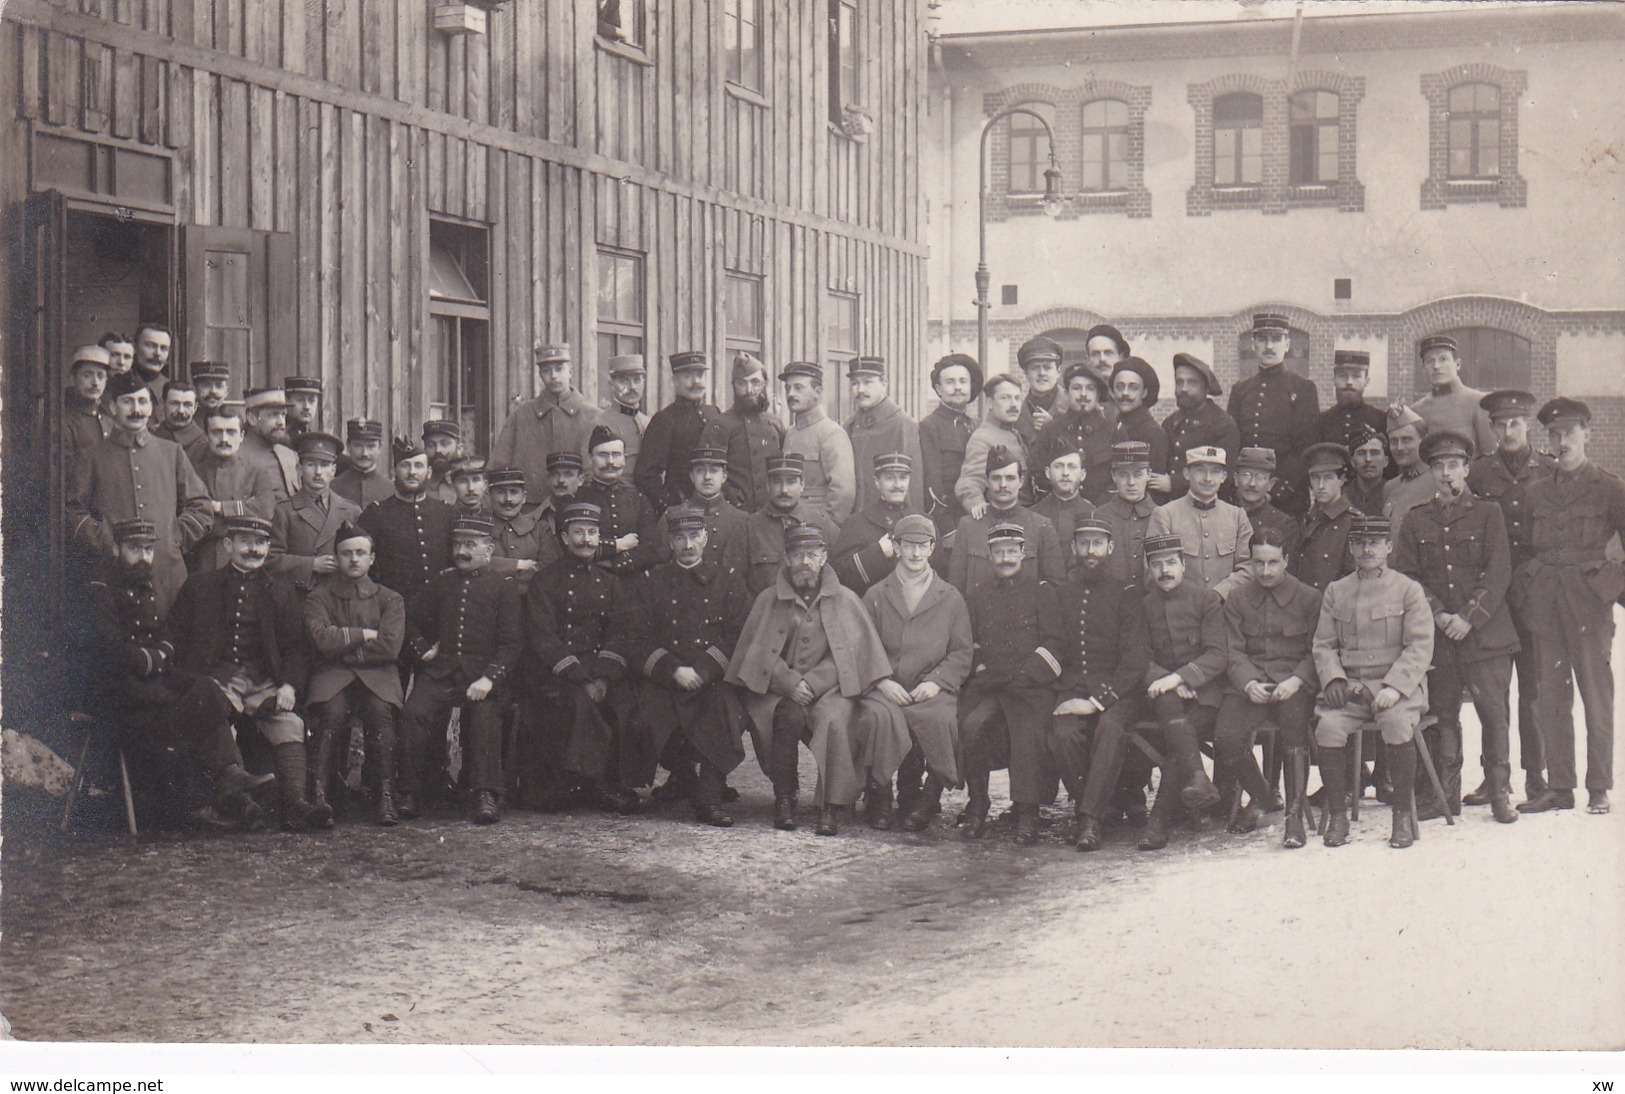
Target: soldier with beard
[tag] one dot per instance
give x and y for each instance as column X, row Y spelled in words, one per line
column 365, row 480
column 1199, row 422
column 265, row 443
column 410, row 530
column 879, row 427
column 443, row 443
column 1040, row 359
column 1135, row 389
column 180, row 424
column 236, row 487
column 1345, row 421
column 944, row 433
column 765, row 529
column 748, row 434
column 304, row 405
column 1082, row 429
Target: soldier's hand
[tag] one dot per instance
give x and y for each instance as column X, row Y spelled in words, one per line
column 1386, row 698
column 894, row 691
column 325, row 564
column 1455, row 627
column 597, row 690
column 687, row 679
column 626, row 543
column 431, row 653
column 1164, row 684
column 803, row 695
column 285, row 698
column 1286, row 689
column 1082, row 708
column 525, row 565
column 1161, row 483
column 888, row 546
column 1259, row 692
column 1185, row 691
column 368, row 634
column 976, row 509
column 1041, row 417
column 479, row 689
column 928, row 689
column 1336, row 694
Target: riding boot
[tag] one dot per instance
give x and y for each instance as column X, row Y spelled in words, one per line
column 926, row 806
column 382, row 747
column 319, row 754
column 297, row 813
column 1297, row 782
column 1501, row 794
column 1402, row 762
column 1196, row 790
column 1334, row 772
column 974, row 818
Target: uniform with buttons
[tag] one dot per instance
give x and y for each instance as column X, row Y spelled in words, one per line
column 1323, row 551
column 1216, row 536
column 412, row 540
column 1278, row 409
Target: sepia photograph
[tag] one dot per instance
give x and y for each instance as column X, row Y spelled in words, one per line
column 811, row 524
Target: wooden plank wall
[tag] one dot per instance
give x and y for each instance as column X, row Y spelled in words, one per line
column 353, row 179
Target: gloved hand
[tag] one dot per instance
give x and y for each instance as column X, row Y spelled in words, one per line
column 1336, row 694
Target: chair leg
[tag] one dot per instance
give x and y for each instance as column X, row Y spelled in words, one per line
column 1433, row 777
column 77, row 782
column 129, row 798
column 1359, row 766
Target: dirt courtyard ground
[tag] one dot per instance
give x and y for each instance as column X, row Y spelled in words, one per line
column 591, row 929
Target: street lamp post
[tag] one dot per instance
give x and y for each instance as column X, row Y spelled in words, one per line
column 1052, row 202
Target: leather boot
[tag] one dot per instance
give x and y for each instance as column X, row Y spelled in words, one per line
column 784, row 812
column 486, row 810
column 1297, row 782
column 383, row 761
column 1196, row 789
column 1334, row 772
column 1501, row 795
column 1478, row 796
column 974, row 819
column 1546, row 800
column 232, row 779
column 1088, row 837
column 1026, row 825
column 1402, row 762
column 909, row 774
column 926, row 806
column 297, row 812
column 829, row 821
column 319, row 753
column 1155, row 836
column 1534, row 784
column 877, row 807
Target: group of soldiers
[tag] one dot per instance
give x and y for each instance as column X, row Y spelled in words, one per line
column 1067, row 589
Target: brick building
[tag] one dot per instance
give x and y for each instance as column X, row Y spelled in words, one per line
column 1377, row 177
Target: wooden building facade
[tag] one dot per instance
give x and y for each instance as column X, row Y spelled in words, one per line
column 345, row 188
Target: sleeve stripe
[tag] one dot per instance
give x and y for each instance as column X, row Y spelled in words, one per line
column 716, row 655
column 649, row 665
column 611, row 655
column 1049, row 659
column 567, row 663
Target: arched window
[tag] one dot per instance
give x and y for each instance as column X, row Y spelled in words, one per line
column 1238, row 140
column 1313, row 132
column 1297, row 353
column 1474, row 134
column 1105, row 145
column 1029, row 148
column 1490, row 359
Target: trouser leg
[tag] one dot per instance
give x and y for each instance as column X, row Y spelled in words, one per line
column 1531, row 748
column 1555, row 702
column 790, row 723
column 1069, row 745
column 909, row 774
column 328, row 727
column 1233, row 742
column 1489, row 681
column 1596, row 680
column 482, row 745
column 709, row 783
column 1177, row 718
column 1447, row 681
column 1106, row 756
column 422, row 721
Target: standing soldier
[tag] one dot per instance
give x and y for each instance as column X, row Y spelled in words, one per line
column 1324, row 554
column 998, row 430
column 1082, row 429
column 1504, row 477
column 674, row 433
column 1411, row 485
column 866, row 549
column 304, row 404
column 365, row 480
column 879, row 427
column 83, row 426
column 1456, row 546
column 765, row 529
column 628, row 526
column 1215, row 534
column 560, row 419
column 1255, row 483
column 1128, row 510
column 1106, row 348
column 748, row 434
column 464, row 631
column 212, row 381
column 1372, row 649
column 356, row 627
column 1451, row 404
column 623, row 415
column 1346, row 420
column 957, row 380
column 411, row 531
column 1063, row 505
column 304, row 527
column 690, row 612
column 1569, row 589
column 443, row 442
column 1369, row 455
column 180, row 420
column 120, row 349
column 467, row 478
column 972, row 562
column 526, row 539
column 1200, row 422
column 235, row 487
column 1135, row 390
column 828, row 471
column 153, row 343
column 1040, row 359
column 1278, row 409
column 265, row 442
column 725, row 545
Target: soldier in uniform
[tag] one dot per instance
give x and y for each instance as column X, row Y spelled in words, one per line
column 1185, row 681
column 1062, row 504
column 808, row 660
column 1215, row 534
column 1082, row 429
column 212, row 382
column 1040, row 360
column 1255, row 484
column 866, row 550
column 303, row 527
column 1101, row 689
column 246, row 631
column 725, row 545
column 1411, row 485
column 1128, row 510
column 566, row 471
column 83, row 425
column 879, row 427
column 1504, row 476
column 690, row 612
column 1278, row 409
column 828, row 468
column 1372, row 648
column 623, row 415
column 468, row 481
column 1456, row 546
column 580, row 626
column 1106, row 349
column 1569, row 588
column 972, row 562
column 356, row 627
column 304, row 404
column 765, row 529
column 748, row 434
column 998, row 430
column 1269, row 628
column 1369, row 457
column 628, row 526
column 1135, row 390
column 1324, row 554
column 465, row 633
column 525, row 536
column 153, row 343
column 924, row 624
column 1347, row 419
column 1199, row 421
column 674, row 433
column 944, row 433
column 120, row 349
column 1005, row 707
column 443, row 442
column 235, row 487
column 560, row 419
column 266, row 441
column 365, row 480
column 411, row 531
column 1451, row 404
column 180, row 420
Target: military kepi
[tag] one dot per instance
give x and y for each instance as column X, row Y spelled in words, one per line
column 1131, row 454
column 1363, row 525
column 473, row 526
column 791, row 463
column 810, row 369
column 1351, row 359
column 1268, row 322
column 866, row 366
column 685, row 519
column 252, row 525
column 135, row 530
column 507, row 476
column 565, row 461
column 1156, row 545
column 1436, row 341
column 803, row 535
column 689, row 359
column 1006, row 532
column 1256, row 459
column 363, row 429
column 896, row 461
column 580, row 511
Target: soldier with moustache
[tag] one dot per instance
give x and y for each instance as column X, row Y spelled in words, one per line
column 560, row 419
column 180, row 420
column 1368, row 455
column 628, row 525
column 1216, row 535
column 1276, row 408
column 304, row 527
column 944, row 433
column 997, row 431
column 1040, row 361
column 725, row 545
column 1255, row 483
column 828, row 471
column 1083, row 429
column 212, row 382
column 1135, row 390
column 673, row 434
column 304, row 404
column 525, row 537
column 464, row 631
column 1129, row 509
column 443, row 442
column 1412, row 484
column 411, row 532
column 83, row 425
column 1199, row 421
column 1323, row 550
column 236, row 487
column 365, row 480
column 866, row 550
column 153, row 344
column 972, row 563
column 1106, row 349
column 1456, row 547
column 1504, row 475
column 623, row 415
column 1347, row 419
column 748, row 434
column 766, row 528
column 878, row 427
column 265, row 440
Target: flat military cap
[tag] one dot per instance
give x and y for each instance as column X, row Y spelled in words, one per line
column 315, row 445
column 1157, row 545
column 439, row 427
column 91, row 355
column 209, row 370
column 364, row 429
column 708, row 454
column 1444, row 443
column 1206, row 454
column 248, row 525
column 1106, row 330
column 561, row 461
column 1351, row 359
column 1400, row 416
column 601, row 435
column 915, row 527
column 348, row 531
column 803, row 535
column 791, row 463
column 893, row 461
column 1436, row 341
column 1073, row 372
column 1268, row 322
column 506, row 476
column 1006, row 532
column 1563, row 411
column 866, row 366
column 1363, row 525
column 1256, row 459
column 688, row 359
column 584, row 512
column 551, row 353
column 999, row 456
column 684, row 518
column 1091, row 524
column 1147, row 375
column 810, row 369
column 135, row 530
column 473, row 526
column 1034, row 350
column 310, row 385
column 125, row 383
column 1196, row 364
column 626, row 363
column 404, row 448
column 1325, row 456
column 265, row 398
column 468, row 465
column 1131, row 454
column 1508, row 403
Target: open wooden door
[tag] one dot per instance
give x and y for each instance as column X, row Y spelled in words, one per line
column 240, row 303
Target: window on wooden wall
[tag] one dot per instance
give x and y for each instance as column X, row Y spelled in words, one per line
column 745, row 321
column 1312, row 120
column 624, row 21
column 742, row 42
column 1238, row 140
column 843, row 59
column 1490, row 359
column 840, row 344
column 1105, row 145
column 1475, row 131
column 459, row 356
column 621, row 318
column 1029, row 148
column 1297, row 353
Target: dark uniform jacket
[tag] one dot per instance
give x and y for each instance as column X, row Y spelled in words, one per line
column 1323, row 553
column 1108, row 648
column 1208, row 424
column 856, row 555
column 1064, row 515
column 127, row 648
column 1457, row 548
column 673, row 434
column 82, row 427
column 412, row 541
column 749, row 439
column 1276, row 408
column 972, row 561
column 1268, row 516
column 243, row 489
column 529, row 535
column 1187, row 634
column 1344, row 425
column 363, row 488
column 943, row 435
column 193, row 441
column 624, row 512
column 724, row 534
column 688, row 617
column 208, row 638
column 880, row 431
column 579, row 623
column 1271, row 633
column 1020, row 631
column 1091, row 434
column 1139, row 425
column 1572, row 516
column 1362, row 500
column 302, row 529
column 1049, row 401
column 1127, row 560
column 1507, row 484
column 473, row 616
column 337, row 610
column 764, row 541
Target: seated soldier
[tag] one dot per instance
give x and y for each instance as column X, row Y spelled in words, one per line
column 1005, row 708
column 925, row 626
column 464, row 630
column 1372, row 648
column 579, row 623
column 972, row 563
column 809, row 659
column 1185, row 678
column 357, row 627
column 724, row 522
column 247, row 631
column 765, row 528
column 1270, row 622
column 525, row 538
column 691, row 610
column 139, row 695
column 1103, row 663
column 865, row 552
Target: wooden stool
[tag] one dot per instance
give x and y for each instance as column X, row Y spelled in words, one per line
column 1272, row 751
column 1423, row 754
column 80, row 718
